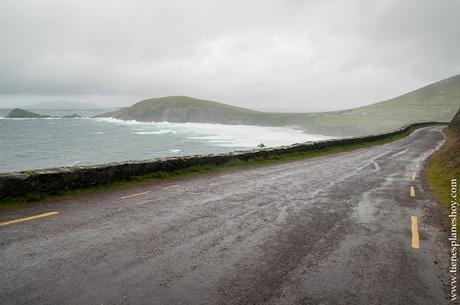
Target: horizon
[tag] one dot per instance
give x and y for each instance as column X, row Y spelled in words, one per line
column 108, row 106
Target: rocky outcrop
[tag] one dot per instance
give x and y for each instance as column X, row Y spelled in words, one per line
column 54, row 180
column 455, row 123
column 18, row 113
column 72, row 116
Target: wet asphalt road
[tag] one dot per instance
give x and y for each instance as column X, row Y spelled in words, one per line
column 328, row 230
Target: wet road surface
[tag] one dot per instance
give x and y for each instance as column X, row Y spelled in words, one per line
column 329, row 230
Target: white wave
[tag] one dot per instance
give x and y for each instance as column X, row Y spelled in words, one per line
column 174, row 151
column 212, row 138
column 248, row 136
column 117, row 121
column 244, row 136
column 155, row 132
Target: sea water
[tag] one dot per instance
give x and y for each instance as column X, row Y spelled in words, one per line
column 27, row 144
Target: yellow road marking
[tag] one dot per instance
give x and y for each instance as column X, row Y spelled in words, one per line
column 414, row 175
column 412, row 191
column 415, row 237
column 28, row 218
column 137, row 194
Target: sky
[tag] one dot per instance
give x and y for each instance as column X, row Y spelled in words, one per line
column 289, row 55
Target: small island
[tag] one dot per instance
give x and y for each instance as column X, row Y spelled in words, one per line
column 18, row 113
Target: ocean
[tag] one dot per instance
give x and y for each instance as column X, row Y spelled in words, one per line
column 27, row 144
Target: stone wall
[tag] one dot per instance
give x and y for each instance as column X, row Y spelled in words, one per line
column 50, row 181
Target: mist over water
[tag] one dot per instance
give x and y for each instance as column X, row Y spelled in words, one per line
column 43, row 143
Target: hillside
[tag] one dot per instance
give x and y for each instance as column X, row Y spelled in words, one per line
column 436, row 102
column 182, row 109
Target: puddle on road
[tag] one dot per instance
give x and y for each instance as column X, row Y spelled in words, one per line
column 365, row 211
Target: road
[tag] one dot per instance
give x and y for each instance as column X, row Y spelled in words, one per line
column 337, row 229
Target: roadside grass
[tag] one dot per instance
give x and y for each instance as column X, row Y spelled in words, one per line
column 443, row 166
column 233, row 164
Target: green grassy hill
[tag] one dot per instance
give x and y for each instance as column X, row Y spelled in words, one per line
column 182, row 109
column 436, row 102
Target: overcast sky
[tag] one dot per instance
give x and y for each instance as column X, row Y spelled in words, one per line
column 289, row 55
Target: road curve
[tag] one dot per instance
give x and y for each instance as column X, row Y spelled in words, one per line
column 328, row 230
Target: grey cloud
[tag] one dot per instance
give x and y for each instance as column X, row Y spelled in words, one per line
column 275, row 55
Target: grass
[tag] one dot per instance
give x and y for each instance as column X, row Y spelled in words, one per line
column 233, row 164
column 443, row 166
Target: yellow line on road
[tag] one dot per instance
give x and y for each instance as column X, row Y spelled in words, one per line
column 415, row 237
column 414, row 175
column 27, row 218
column 137, row 194
column 412, row 191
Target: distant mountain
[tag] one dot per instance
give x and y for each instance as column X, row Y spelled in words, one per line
column 62, row 105
column 18, row 113
column 436, row 102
